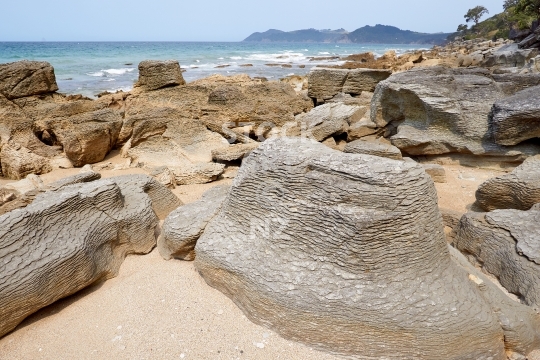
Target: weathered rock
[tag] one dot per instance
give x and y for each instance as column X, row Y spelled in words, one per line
column 85, row 138
column 198, row 173
column 445, row 111
column 234, row 152
column 518, row 190
column 324, row 84
column 451, row 219
column 504, row 243
column 302, row 244
column 436, row 171
column 360, row 80
column 509, row 55
column 373, row 147
column 18, row 162
column 155, row 74
column 164, row 176
column 361, row 100
column 30, row 183
column 327, row 120
column 90, row 229
column 183, row 227
column 26, row 78
column 517, row 118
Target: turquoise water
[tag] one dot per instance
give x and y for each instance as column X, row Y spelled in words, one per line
column 90, row 68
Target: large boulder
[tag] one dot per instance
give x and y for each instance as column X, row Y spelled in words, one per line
column 85, row 138
column 504, row 243
column 154, row 74
column 346, row 253
column 26, row 78
column 18, row 162
column 364, row 80
column 517, row 118
column 509, row 55
column 90, row 228
column 518, row 190
column 445, row 111
column 183, row 227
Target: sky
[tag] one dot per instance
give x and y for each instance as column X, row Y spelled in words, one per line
column 218, row 20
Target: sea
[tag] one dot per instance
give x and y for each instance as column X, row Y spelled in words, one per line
column 90, row 68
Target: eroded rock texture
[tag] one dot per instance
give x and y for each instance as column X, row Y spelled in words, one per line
column 185, row 225
column 154, row 74
column 505, row 243
column 26, row 78
column 517, row 118
column 346, row 253
column 68, row 239
column 518, row 190
column 443, row 111
column 373, row 147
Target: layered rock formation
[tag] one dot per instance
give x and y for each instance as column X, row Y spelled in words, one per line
column 90, row 228
column 445, row 111
column 303, row 245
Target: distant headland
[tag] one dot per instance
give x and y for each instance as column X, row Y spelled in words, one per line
column 378, row 34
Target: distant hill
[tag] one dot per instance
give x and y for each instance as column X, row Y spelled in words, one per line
column 381, row 34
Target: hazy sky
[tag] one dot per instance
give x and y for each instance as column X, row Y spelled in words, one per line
column 218, row 20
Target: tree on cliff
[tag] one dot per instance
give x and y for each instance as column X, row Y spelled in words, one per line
column 476, row 13
column 528, row 7
column 462, row 28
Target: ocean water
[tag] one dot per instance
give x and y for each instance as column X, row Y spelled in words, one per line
column 90, row 68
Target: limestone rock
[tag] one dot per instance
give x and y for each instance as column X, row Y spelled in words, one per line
column 155, row 74
column 183, row 227
column 164, row 176
column 198, row 173
column 26, row 78
column 360, row 80
column 30, row 183
column 303, row 245
column 90, row 229
column 234, row 152
column 517, row 118
column 504, row 243
column 327, row 120
column 324, row 84
column 518, row 190
column 18, row 162
column 85, row 138
column 445, row 111
column 373, row 147
column 436, row 171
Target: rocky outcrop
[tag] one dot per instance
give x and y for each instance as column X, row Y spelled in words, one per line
column 518, row 190
column 445, row 111
column 303, row 245
column 90, row 229
column 517, row 118
column 504, row 243
column 324, row 84
column 155, row 74
column 26, row 78
column 509, row 55
column 531, row 41
column 373, row 147
column 85, row 138
column 18, row 162
column 183, row 227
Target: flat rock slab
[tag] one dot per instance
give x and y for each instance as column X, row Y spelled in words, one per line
column 374, row 148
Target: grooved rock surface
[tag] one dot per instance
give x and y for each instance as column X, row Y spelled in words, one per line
column 346, row 253
column 183, row 227
column 26, row 78
column 373, row 147
column 154, row 74
column 517, row 118
column 69, row 239
column 518, row 190
column 505, row 243
column 442, row 111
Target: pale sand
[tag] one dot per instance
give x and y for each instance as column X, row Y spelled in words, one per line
column 157, row 309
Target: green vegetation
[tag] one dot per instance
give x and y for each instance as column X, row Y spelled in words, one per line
column 517, row 14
